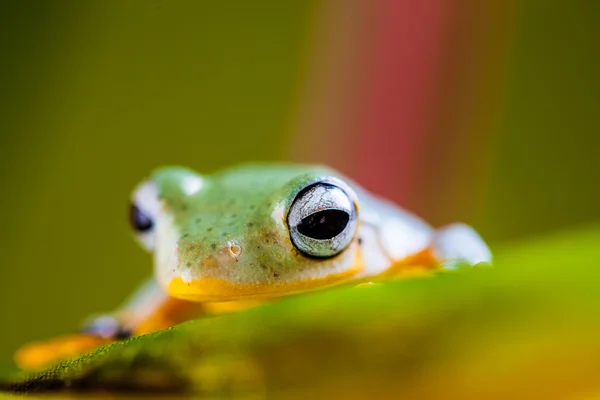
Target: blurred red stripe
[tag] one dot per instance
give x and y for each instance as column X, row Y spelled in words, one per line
column 369, row 95
column 396, row 103
column 402, row 96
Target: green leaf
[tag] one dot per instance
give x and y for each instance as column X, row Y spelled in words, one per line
column 527, row 328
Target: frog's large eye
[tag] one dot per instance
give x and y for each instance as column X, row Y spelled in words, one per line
column 322, row 220
column 142, row 213
column 140, row 221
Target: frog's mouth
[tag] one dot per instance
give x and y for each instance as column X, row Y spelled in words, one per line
column 212, row 289
column 208, row 289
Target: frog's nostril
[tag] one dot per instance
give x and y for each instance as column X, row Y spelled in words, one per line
column 234, row 249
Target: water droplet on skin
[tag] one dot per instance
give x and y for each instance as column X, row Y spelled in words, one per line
column 234, row 249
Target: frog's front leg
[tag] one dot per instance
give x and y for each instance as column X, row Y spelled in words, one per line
column 148, row 310
column 444, row 248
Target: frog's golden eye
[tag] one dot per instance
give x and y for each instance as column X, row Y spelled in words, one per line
column 143, row 210
column 322, row 220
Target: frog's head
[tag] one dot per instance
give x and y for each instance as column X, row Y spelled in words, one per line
column 253, row 231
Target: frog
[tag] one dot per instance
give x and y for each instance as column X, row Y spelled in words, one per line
column 255, row 233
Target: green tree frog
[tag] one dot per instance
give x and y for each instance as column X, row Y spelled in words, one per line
column 258, row 232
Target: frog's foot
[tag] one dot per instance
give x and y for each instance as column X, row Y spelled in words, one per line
column 42, row 354
column 459, row 244
column 97, row 332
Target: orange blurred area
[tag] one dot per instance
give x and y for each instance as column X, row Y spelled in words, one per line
column 42, row 354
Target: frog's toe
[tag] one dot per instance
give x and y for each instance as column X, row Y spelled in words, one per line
column 107, row 327
column 459, row 244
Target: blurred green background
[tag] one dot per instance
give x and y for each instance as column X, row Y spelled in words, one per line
column 97, row 94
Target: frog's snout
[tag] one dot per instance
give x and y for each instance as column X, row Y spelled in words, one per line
column 234, row 249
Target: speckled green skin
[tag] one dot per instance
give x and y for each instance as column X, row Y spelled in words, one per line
column 239, row 205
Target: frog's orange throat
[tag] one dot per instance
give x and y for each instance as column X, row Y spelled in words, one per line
column 212, row 289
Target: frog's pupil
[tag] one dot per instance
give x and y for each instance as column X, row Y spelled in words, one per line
column 140, row 221
column 325, row 224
